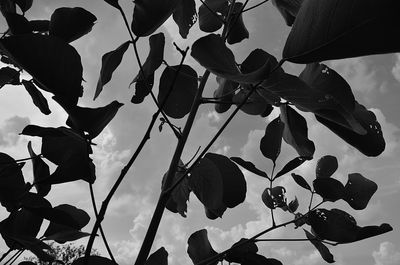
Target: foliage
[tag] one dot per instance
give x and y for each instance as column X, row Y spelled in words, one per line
column 321, row 30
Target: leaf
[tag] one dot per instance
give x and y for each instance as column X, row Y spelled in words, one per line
column 255, row 104
column 270, row 144
column 288, row 9
column 37, row 97
column 41, row 171
column 370, row 231
column 293, row 205
column 185, row 16
column 323, row 30
column 238, row 254
column 8, row 75
column 358, row 191
column 144, row 82
column 274, row 197
column 71, row 23
column 212, row 20
column 178, row 101
column 41, row 26
column 257, row 259
column 67, row 235
column 211, row 52
column 36, row 246
column 109, row 62
column 370, row 144
column 180, row 194
column 237, row 30
column 92, row 120
column 329, row 189
column 249, row 166
column 149, row 15
column 93, row 260
column 160, row 257
column 292, row 164
column 199, row 247
column 295, row 132
column 55, row 65
column 301, row 181
column 113, row 3
column 322, row 249
column 224, row 92
column 17, row 23
column 24, row 5
column 326, row 166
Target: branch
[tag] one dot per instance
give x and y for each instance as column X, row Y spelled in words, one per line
column 257, row 5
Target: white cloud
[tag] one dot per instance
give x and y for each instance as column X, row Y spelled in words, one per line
column 396, row 68
column 10, row 130
column 387, row 254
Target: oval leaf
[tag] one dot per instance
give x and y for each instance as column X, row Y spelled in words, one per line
column 199, row 247
column 41, row 171
column 292, row 164
column 358, row 191
column 237, row 30
column 37, row 97
column 211, row 15
column 249, row 166
column 301, row 181
column 326, row 166
column 185, row 16
column 329, row 189
column 322, row 249
column 270, row 144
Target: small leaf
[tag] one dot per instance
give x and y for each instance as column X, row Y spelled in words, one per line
column 92, row 120
column 180, row 99
column 295, row 132
column 109, row 62
column 270, row 144
column 160, row 257
column 67, row 235
column 149, row 15
column 249, row 166
column 324, row 29
column 237, row 30
column 322, row 249
column 212, row 20
column 113, row 3
column 199, row 247
column 37, row 97
column 8, row 75
column 93, row 260
column 301, row 181
column 185, row 16
column 329, row 189
column 41, row 171
column 274, row 197
column 70, row 24
column 326, row 166
column 24, row 5
column 292, row 164
column 238, row 254
column 293, row 205
column 358, row 191
column 144, row 81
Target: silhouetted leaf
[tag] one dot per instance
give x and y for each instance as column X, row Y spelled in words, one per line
column 270, row 144
column 94, row 260
column 55, row 65
column 37, row 97
column 199, row 247
column 237, row 30
column 274, row 197
column 67, row 235
column 41, row 26
column 301, row 181
column 358, row 191
column 17, row 23
column 322, row 249
column 326, row 166
column 148, row 15
column 36, row 246
column 249, row 166
column 109, row 62
column 212, row 21
column 330, row 189
column 224, row 92
column 185, row 16
column 288, row 9
column 325, row 30
column 211, row 52
column 144, row 82
column 8, row 75
column 41, row 172
column 373, row 230
column 293, row 205
column 255, row 104
column 295, row 132
column 160, row 257
column 113, row 3
column 292, row 164
column 257, row 259
column 24, row 5
column 238, row 254
column 180, row 99
column 92, row 120
column 372, row 143
column 71, row 23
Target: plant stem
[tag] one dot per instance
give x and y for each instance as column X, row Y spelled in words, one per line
column 270, row 186
column 5, row 254
column 256, row 5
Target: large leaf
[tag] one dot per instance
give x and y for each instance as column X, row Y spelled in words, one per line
column 239, row 253
column 372, row 143
column 295, row 132
column 148, row 15
column 199, row 247
column 237, row 30
column 92, row 120
column 17, row 23
column 288, row 9
column 326, row 29
column 270, row 144
column 8, row 75
column 322, row 249
column 211, row 15
column 37, row 97
column 160, row 257
column 329, row 189
column 109, row 62
column 41, row 171
column 71, row 23
column 93, row 260
column 326, row 166
column 358, row 191
column 144, row 81
column 250, row 167
column 55, row 65
column 211, row 52
column 179, row 100
column 185, row 16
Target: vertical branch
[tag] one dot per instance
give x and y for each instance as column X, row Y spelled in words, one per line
column 270, row 186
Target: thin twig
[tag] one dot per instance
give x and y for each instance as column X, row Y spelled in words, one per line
column 270, row 186
column 5, row 254
column 257, row 5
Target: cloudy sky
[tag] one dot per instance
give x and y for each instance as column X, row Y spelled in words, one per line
column 375, row 81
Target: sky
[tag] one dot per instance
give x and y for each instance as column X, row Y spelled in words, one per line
column 375, row 81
